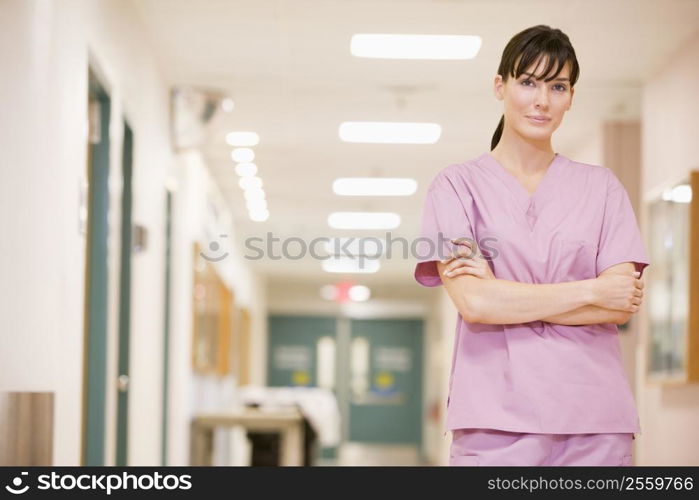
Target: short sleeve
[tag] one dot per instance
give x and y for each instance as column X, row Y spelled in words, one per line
column 444, row 217
column 620, row 239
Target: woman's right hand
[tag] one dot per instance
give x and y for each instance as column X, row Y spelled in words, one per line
column 622, row 292
column 467, row 259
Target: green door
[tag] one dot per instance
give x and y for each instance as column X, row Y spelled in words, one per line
column 96, row 272
column 124, row 301
column 385, row 381
column 293, row 349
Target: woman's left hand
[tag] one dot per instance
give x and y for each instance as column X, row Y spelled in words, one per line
column 467, row 259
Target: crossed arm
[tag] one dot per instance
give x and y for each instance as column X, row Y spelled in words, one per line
column 590, row 315
column 496, row 301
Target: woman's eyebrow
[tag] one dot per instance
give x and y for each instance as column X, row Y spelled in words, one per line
column 560, row 79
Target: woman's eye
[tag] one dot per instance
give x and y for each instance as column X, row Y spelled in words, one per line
column 559, row 87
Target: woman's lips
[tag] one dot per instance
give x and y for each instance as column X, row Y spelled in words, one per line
column 537, row 120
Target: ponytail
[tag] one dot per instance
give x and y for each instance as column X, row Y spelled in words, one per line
column 498, row 133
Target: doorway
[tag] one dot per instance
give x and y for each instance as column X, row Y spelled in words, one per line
column 122, row 430
column 96, row 275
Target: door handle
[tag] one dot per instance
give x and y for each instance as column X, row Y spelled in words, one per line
column 123, row 383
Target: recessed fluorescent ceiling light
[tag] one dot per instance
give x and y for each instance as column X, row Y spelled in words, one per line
column 395, row 46
column 228, row 105
column 678, row 194
column 259, row 215
column 374, row 186
column 359, row 293
column 364, row 220
column 253, row 205
column 250, row 183
column 242, row 138
column 246, row 169
column 243, row 155
column 254, row 194
column 350, row 265
column 390, row 132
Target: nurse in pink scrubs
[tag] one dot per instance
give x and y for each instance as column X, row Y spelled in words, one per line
column 546, row 261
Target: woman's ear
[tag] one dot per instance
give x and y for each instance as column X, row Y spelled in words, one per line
column 572, row 92
column 498, row 87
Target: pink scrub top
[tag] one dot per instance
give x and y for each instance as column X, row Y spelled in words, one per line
column 535, row 377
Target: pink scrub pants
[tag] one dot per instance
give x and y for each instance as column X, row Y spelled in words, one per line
column 496, row 447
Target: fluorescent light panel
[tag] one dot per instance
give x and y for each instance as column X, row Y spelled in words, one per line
column 246, row 169
column 254, row 194
column 227, row 105
column 259, row 215
column 243, row 155
column 253, row 205
column 405, row 46
column 390, row 132
column 250, row 183
column 359, row 293
column 678, row 194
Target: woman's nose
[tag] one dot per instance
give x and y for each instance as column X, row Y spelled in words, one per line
column 541, row 99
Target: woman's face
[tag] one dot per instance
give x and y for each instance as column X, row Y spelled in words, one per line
column 526, row 97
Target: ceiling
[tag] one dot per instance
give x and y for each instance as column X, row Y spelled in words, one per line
column 288, row 68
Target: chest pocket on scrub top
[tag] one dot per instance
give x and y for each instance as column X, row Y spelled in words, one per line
column 574, row 260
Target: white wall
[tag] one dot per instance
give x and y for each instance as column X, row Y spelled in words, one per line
column 589, row 149
column 45, row 48
column 670, row 150
column 42, row 157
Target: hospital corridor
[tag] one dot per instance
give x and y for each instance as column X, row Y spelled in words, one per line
column 213, row 212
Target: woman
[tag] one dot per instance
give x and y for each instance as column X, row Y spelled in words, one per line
column 537, row 376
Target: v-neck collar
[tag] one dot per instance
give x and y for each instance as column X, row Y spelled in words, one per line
column 529, row 204
column 524, row 198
